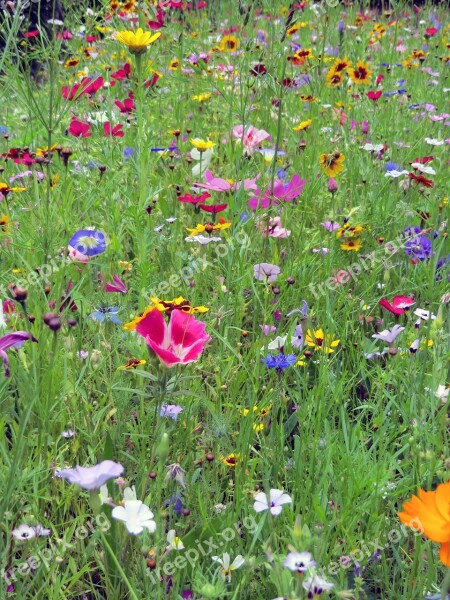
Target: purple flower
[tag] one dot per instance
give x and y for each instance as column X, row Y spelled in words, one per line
column 13, row 340
column 92, row 478
column 419, row 247
column 176, row 502
column 117, row 286
column 279, row 362
column 266, row 329
column 170, row 410
column 299, row 339
column 266, row 272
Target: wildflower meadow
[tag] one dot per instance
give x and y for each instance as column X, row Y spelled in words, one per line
column 224, row 300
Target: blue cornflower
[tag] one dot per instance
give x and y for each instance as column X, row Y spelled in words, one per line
column 419, row 247
column 279, row 361
column 106, row 313
column 176, row 502
column 412, row 230
column 392, row 166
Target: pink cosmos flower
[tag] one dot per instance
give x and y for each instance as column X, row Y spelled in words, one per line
column 274, row 228
column 282, row 192
column 217, row 184
column 251, row 137
column 86, row 86
column 180, row 342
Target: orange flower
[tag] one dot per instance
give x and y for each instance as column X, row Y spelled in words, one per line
column 430, row 513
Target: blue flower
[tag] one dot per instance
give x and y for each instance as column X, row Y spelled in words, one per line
column 106, row 313
column 86, row 243
column 176, row 502
column 391, row 166
column 279, row 361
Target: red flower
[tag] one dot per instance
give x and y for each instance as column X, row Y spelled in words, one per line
column 374, row 95
column 431, row 31
column 128, row 105
column 116, row 131
column 399, row 304
column 79, row 129
column 422, row 180
column 86, row 86
column 213, row 208
column 152, row 81
column 123, row 73
column 422, row 161
column 160, row 16
column 31, row 34
column 379, row 79
column 194, row 199
column 180, row 342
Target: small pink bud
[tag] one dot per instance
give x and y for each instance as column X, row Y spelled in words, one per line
column 332, row 185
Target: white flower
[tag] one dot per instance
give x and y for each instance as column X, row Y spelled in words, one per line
column 299, row 562
column 68, row 434
column 395, row 173
column 174, row 542
column 423, row 168
column 434, row 142
column 274, row 503
column 2, row 317
column 136, row 516
column 389, row 335
column 227, row 569
column 104, row 494
column 277, row 343
column 24, row 532
column 316, row 585
column 425, row 315
column 442, row 393
column 372, row 147
column 129, row 493
column 204, row 162
column 203, row 239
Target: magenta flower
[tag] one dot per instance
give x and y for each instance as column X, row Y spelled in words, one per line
column 282, row 192
column 180, row 342
column 117, row 286
column 92, row 478
column 79, row 129
column 13, row 340
column 217, row 184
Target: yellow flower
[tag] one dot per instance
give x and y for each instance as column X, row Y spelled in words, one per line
column 303, row 125
column 4, row 223
column 137, row 43
column 258, row 426
column 319, row 341
column 332, row 163
column 177, row 304
column 348, row 231
column 231, row 460
column 174, row 64
column 202, row 145
column 132, row 364
column 202, row 97
column 209, row 228
column 229, row 43
column 71, row 62
column 361, row 74
column 354, row 245
column 5, row 189
column 126, row 266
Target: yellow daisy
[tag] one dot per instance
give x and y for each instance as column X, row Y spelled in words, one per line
column 137, row 43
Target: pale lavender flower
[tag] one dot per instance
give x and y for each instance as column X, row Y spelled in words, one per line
column 170, row 410
column 389, row 335
column 266, row 272
column 92, row 478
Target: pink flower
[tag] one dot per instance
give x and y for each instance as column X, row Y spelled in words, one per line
column 398, row 306
column 13, row 340
column 282, row 192
column 79, row 129
column 180, row 342
column 217, row 184
column 117, row 286
column 116, row 131
column 274, row 228
column 251, row 137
